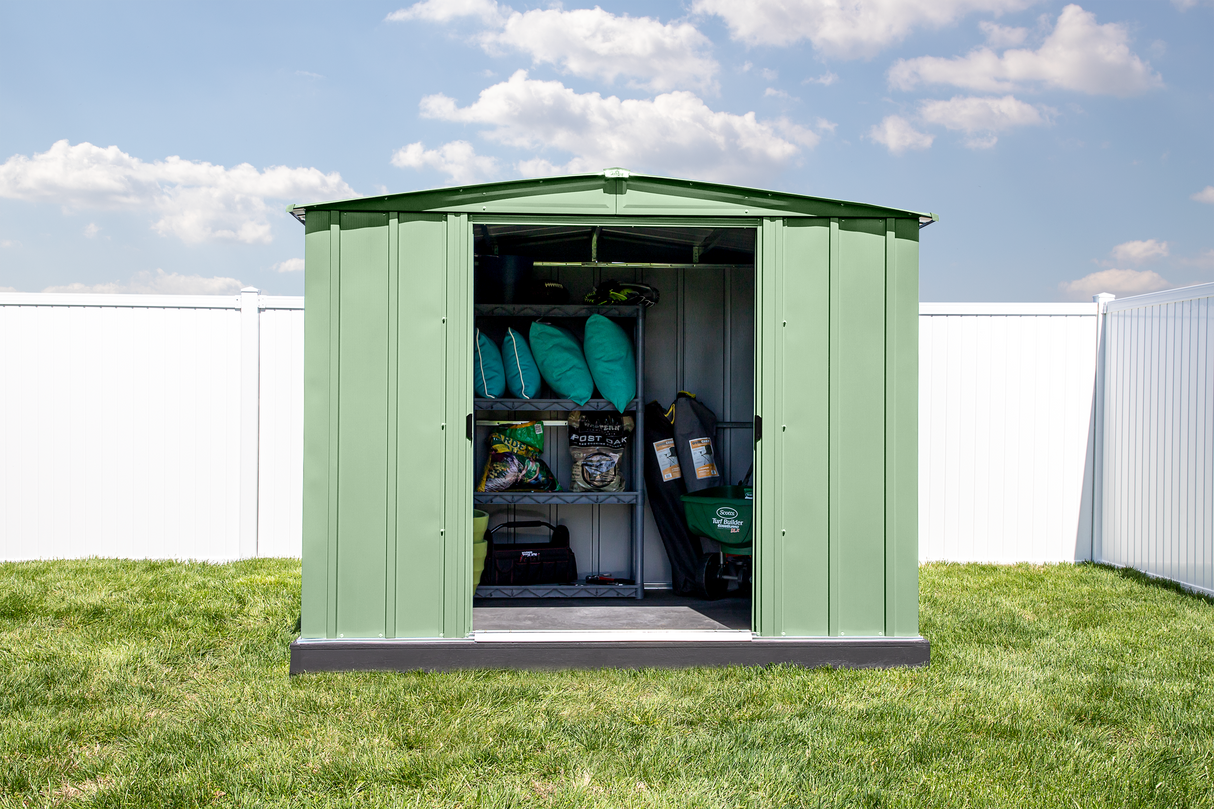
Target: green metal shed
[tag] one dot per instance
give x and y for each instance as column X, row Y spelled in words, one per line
column 800, row 313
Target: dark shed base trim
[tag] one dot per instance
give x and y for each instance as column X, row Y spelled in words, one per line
column 450, row 655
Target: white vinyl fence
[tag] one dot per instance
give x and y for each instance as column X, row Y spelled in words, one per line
column 171, row 427
column 1155, row 507
column 146, row 426
column 1005, row 438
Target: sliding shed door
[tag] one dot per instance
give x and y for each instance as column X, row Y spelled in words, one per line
column 837, row 334
column 385, row 321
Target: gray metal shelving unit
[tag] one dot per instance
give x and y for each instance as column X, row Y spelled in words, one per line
column 634, row 498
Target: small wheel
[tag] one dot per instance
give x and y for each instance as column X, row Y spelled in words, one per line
column 708, row 577
column 744, row 580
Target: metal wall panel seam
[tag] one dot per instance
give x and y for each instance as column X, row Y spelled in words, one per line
column 390, row 486
column 778, row 529
column 334, row 377
column 835, row 294
column 891, row 431
column 467, row 262
column 759, row 589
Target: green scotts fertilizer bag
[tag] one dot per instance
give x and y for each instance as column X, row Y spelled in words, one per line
column 514, row 460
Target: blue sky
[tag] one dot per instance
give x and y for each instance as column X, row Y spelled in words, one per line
column 152, row 147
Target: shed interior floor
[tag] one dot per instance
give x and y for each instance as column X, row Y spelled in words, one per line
column 659, row 610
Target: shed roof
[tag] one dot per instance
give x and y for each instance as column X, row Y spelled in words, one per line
column 612, row 192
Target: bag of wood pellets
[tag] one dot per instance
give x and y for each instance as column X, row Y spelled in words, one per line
column 514, row 460
column 597, row 442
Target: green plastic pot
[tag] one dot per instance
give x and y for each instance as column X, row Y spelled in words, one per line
column 480, row 546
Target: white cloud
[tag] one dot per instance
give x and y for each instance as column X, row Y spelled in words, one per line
column 772, row 92
column 1002, row 36
column 91, row 230
column 823, row 125
column 597, row 44
column 1204, row 259
column 826, row 79
column 446, row 10
column 590, row 43
column 457, row 159
column 1139, row 251
column 9, row 243
column 1078, row 55
column 1118, row 282
column 981, row 118
column 159, row 283
column 1205, row 195
column 290, row 265
column 898, row 135
column 195, row 201
column 8, row 289
column 672, row 134
column 844, row 29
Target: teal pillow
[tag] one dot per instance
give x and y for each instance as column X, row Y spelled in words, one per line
column 561, row 362
column 488, row 375
column 522, row 374
column 611, row 361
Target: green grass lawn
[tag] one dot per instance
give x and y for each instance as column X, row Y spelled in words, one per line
column 162, row 684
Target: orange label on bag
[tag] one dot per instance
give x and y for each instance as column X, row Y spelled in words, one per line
column 668, row 462
column 701, row 458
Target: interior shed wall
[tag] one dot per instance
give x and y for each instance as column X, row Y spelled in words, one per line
column 700, row 338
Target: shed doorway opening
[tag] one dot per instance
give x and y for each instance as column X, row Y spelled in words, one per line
column 562, row 478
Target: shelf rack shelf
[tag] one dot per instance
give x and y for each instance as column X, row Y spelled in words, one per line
column 557, row 498
column 542, row 405
column 558, row 591
column 635, row 499
column 553, row 310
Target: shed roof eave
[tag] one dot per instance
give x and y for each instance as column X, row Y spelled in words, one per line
column 460, row 197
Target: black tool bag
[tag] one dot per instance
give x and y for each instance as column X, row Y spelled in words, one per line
column 664, row 486
column 524, row 563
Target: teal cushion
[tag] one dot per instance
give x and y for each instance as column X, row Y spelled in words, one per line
column 611, row 361
column 559, row 357
column 522, row 374
column 488, row 375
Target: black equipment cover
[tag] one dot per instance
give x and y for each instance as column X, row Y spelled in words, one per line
column 524, row 563
column 695, row 433
column 682, row 548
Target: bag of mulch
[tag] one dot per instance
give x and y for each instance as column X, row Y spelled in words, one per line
column 514, row 460
column 525, row 438
column 597, row 442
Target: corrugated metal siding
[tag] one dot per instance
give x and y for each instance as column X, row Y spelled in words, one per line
column 280, row 433
column 1005, row 445
column 1157, row 482
column 121, row 428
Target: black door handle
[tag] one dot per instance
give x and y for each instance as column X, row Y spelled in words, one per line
column 468, row 427
column 758, row 428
